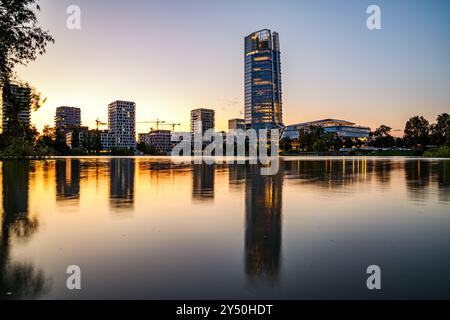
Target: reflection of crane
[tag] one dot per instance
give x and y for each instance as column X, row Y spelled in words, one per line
column 158, row 122
column 173, row 125
column 100, row 124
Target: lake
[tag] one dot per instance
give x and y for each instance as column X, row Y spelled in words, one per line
column 147, row 228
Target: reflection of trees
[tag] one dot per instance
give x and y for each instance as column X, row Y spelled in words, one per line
column 67, row 179
column 328, row 173
column 203, row 182
column 417, row 175
column 443, row 179
column 383, row 171
column 263, row 224
column 122, row 183
column 20, row 279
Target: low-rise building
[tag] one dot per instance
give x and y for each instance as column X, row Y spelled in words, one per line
column 344, row 129
column 160, row 139
column 236, row 124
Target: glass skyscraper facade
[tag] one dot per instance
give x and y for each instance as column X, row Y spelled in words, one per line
column 263, row 98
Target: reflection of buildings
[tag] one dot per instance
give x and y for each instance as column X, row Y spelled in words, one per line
column 236, row 176
column 203, row 182
column 122, row 183
column 67, row 179
column 263, row 197
column 22, row 280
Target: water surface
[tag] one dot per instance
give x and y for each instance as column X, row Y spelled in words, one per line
column 146, row 228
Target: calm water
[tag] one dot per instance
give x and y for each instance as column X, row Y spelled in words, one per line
column 149, row 229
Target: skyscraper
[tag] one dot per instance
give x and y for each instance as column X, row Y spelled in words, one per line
column 202, row 120
column 263, row 99
column 122, row 124
column 67, row 118
column 20, row 98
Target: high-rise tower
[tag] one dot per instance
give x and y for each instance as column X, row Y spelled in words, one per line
column 263, row 99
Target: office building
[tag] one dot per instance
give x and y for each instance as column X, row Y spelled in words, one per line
column 20, row 98
column 122, row 124
column 202, row 120
column 263, row 98
column 236, row 124
column 67, row 118
column 344, row 129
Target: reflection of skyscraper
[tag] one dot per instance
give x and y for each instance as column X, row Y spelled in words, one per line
column 236, row 176
column 263, row 199
column 67, row 179
column 122, row 183
column 263, row 103
column 203, row 182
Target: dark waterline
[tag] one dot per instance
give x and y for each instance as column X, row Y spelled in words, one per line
column 146, row 228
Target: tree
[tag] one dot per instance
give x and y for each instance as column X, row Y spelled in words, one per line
column 348, row 143
column 307, row 137
column 147, row 148
column 416, row 132
column 21, row 38
column 382, row 131
column 286, row 143
column 382, row 138
column 440, row 129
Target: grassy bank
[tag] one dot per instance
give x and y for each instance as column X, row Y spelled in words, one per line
column 394, row 153
column 443, row 152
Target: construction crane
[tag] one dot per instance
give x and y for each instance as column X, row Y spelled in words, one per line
column 157, row 122
column 100, row 123
column 173, row 125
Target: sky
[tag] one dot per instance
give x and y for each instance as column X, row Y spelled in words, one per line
column 171, row 56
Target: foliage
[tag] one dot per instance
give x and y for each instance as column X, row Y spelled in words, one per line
column 443, row 152
column 147, row 149
column 286, row 144
column 440, row 131
column 22, row 39
column 382, row 138
column 417, row 132
column 122, row 152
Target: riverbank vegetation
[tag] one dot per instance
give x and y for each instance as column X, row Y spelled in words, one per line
column 419, row 138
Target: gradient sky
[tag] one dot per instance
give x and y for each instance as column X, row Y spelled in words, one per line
column 171, row 56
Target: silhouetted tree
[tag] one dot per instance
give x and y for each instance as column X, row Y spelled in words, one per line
column 440, row 130
column 382, row 138
column 21, row 38
column 416, row 132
